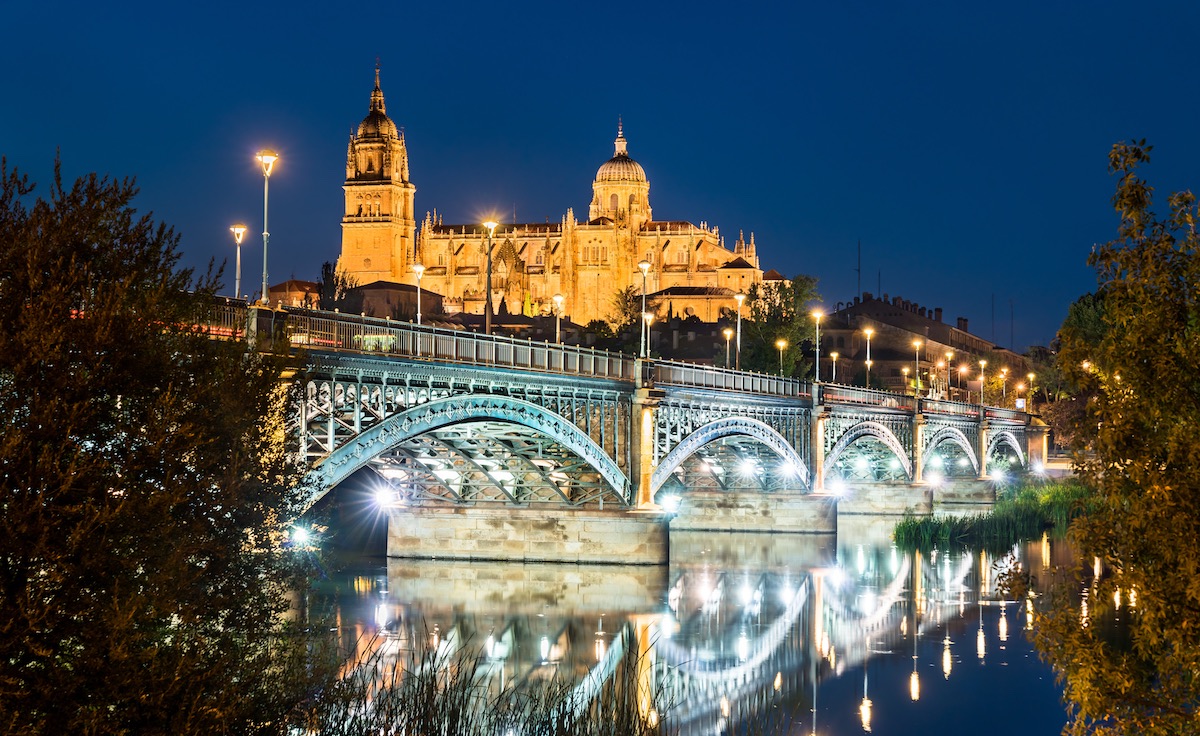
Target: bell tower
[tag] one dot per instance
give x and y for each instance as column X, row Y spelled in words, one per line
column 378, row 225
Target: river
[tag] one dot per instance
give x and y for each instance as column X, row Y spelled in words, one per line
column 838, row 634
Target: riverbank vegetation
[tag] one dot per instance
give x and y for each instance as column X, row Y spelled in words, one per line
column 1021, row 513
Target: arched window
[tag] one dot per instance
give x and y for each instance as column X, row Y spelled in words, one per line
column 613, row 202
column 632, row 200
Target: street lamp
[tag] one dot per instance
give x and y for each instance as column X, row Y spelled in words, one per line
column 267, row 158
column 816, row 315
column 868, row 332
column 942, row 364
column 558, row 302
column 904, row 370
column 916, row 367
column 647, row 319
column 1029, row 393
column 239, row 232
column 728, row 333
column 644, row 267
column 781, row 344
column 834, row 357
column 1003, row 383
column 419, row 270
column 739, row 298
column 487, row 297
column 963, row 369
column 982, row 377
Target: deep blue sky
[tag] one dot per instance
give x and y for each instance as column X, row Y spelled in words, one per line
column 964, row 144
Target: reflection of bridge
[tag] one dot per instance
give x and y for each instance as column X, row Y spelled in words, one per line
column 722, row 639
column 454, row 420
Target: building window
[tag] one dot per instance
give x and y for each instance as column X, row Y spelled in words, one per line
column 613, row 203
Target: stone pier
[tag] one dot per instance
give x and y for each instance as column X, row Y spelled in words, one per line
column 784, row 511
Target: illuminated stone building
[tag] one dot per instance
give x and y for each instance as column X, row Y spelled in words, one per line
column 586, row 261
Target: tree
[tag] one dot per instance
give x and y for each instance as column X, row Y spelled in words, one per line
column 338, row 290
column 1139, row 356
column 145, row 474
column 778, row 310
column 626, row 317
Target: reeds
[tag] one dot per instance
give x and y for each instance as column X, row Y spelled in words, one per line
column 1020, row 514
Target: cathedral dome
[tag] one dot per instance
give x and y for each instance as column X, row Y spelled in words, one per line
column 620, row 167
column 377, row 125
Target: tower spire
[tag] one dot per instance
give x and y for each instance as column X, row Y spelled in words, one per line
column 377, row 93
column 620, row 144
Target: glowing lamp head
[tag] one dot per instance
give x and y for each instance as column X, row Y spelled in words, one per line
column 868, row 332
column 817, row 315
column 916, row 343
column 834, row 355
column 739, row 298
column 558, row 301
column 239, row 232
column 781, row 343
column 419, row 270
column 491, row 227
column 727, row 332
column 644, row 267
column 267, row 158
column 649, row 317
column 983, row 364
column 300, row 535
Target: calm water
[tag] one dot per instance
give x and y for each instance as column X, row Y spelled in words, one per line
column 840, row 634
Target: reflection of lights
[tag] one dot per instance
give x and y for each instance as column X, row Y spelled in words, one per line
column 936, row 461
column 490, row 646
column 747, row 594
column 1003, row 624
column 300, row 535
column 936, row 479
column 947, row 660
column 1029, row 615
column 743, row 647
column 724, row 706
column 599, row 649
column 748, row 467
column 894, row 464
column 778, row 684
column 1039, row 468
column 862, row 464
column 998, row 475
column 864, row 713
column 652, row 718
column 386, row 496
column 1117, row 598
column 962, row 462
column 544, row 645
column 914, row 685
column 382, row 615
column 670, row 503
column 980, row 640
column 837, row 487
column 860, row 560
column 788, row 469
column 1133, row 597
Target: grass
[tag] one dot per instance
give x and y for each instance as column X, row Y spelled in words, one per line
column 1021, row 513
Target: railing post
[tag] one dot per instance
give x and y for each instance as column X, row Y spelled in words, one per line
column 817, row 445
column 918, row 435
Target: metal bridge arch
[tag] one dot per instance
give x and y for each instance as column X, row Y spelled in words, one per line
column 433, row 415
column 869, row 429
column 1006, row 437
column 955, row 436
column 721, row 428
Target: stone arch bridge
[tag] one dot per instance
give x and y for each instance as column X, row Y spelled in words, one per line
column 458, row 423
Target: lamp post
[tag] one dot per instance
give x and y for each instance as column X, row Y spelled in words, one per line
column 644, row 267
column 949, row 362
column 728, row 332
column 962, row 369
column 1003, row 384
column 647, row 319
column 868, row 332
column 739, row 298
column 916, row 367
column 419, row 270
column 982, row 378
column 558, row 302
column 904, row 370
column 239, row 232
column 487, row 296
column 816, row 315
column 834, row 357
column 782, row 345
column 267, row 158
column 1029, row 393
column 942, row 364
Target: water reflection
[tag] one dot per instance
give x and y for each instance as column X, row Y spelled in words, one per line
column 832, row 634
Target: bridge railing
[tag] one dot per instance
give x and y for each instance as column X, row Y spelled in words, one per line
column 322, row 331
column 1006, row 415
column 949, row 408
column 226, row 321
column 842, row 394
column 674, row 373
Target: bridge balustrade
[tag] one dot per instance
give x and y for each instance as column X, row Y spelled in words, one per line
column 841, row 394
column 949, row 408
column 673, row 373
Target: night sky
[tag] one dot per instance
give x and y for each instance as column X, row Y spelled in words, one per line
column 964, row 144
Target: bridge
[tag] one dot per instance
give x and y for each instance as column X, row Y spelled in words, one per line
column 501, row 435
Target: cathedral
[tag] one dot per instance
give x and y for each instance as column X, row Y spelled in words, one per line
column 691, row 271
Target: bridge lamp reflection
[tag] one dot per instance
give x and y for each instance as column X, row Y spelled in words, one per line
column 670, row 503
column 836, row 486
column 748, row 467
column 743, row 647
